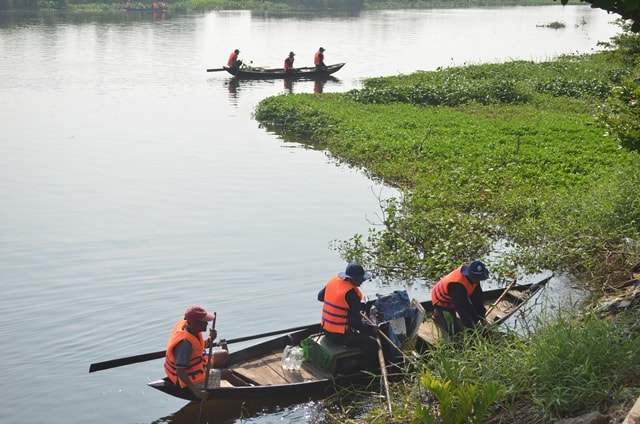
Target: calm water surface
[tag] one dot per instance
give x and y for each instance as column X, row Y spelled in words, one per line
column 135, row 184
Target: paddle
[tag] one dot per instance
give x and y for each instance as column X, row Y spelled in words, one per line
column 387, row 339
column 114, row 363
column 504, row 293
column 383, row 369
column 208, row 367
column 215, row 69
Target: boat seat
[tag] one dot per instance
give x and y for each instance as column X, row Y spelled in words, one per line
column 322, row 353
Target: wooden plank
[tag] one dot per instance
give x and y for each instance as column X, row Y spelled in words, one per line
column 428, row 331
column 267, row 370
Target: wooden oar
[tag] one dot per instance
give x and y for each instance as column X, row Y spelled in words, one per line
column 215, row 69
column 383, row 367
column 208, row 367
column 504, row 293
column 387, row 339
column 114, row 363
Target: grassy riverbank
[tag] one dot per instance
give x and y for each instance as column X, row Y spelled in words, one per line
column 538, row 158
column 510, row 153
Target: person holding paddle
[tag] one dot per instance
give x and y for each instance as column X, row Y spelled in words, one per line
column 185, row 362
column 459, row 292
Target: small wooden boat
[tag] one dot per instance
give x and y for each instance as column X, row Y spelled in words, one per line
column 310, row 72
column 256, row 377
column 145, row 9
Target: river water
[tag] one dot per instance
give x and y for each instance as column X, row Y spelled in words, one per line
column 135, row 184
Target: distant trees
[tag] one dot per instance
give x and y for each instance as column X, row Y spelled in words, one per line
column 627, row 9
column 18, row 4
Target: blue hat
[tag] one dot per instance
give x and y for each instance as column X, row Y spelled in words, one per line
column 477, row 271
column 355, row 273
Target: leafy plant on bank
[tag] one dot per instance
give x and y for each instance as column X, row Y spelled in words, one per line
column 531, row 173
column 569, row 365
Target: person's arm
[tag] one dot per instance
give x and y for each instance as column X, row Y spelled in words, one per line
column 462, row 304
column 354, row 318
column 321, row 295
column 182, row 352
column 477, row 300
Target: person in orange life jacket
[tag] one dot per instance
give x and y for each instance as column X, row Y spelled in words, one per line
column 185, row 362
column 318, row 59
column 233, row 61
column 288, row 62
column 341, row 321
column 460, row 292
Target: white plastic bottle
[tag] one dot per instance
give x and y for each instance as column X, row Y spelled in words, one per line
column 286, row 358
column 297, row 358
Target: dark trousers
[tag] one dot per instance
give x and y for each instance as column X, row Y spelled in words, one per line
column 447, row 321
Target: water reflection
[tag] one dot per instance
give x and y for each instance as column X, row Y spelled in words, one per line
column 227, row 412
column 144, row 15
column 290, row 85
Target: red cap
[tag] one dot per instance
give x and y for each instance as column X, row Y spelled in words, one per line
column 198, row 313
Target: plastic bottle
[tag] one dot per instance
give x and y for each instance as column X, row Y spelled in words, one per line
column 373, row 314
column 286, row 358
column 297, row 358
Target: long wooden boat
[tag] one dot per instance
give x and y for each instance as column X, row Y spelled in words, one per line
column 145, row 9
column 258, row 379
column 275, row 73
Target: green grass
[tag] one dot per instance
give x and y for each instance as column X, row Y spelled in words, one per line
column 571, row 365
column 482, row 153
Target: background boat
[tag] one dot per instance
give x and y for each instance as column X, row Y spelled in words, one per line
column 274, row 73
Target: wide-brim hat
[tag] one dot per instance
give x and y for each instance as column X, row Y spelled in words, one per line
column 476, row 271
column 355, row 273
column 292, row 54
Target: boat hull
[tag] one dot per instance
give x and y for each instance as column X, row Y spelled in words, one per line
column 279, row 73
column 257, row 375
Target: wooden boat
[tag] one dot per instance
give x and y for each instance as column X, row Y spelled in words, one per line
column 146, row 9
column 310, row 72
column 256, row 376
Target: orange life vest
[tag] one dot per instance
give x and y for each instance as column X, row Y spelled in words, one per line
column 319, row 58
column 440, row 292
column 196, row 363
column 232, row 59
column 288, row 63
column 335, row 310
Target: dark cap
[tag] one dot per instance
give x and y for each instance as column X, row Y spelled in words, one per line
column 477, row 271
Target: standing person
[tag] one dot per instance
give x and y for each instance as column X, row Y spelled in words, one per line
column 288, row 62
column 342, row 302
column 185, row 362
column 460, row 292
column 234, row 63
column 318, row 59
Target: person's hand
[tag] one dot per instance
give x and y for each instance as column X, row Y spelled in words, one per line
column 213, row 333
column 223, row 344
